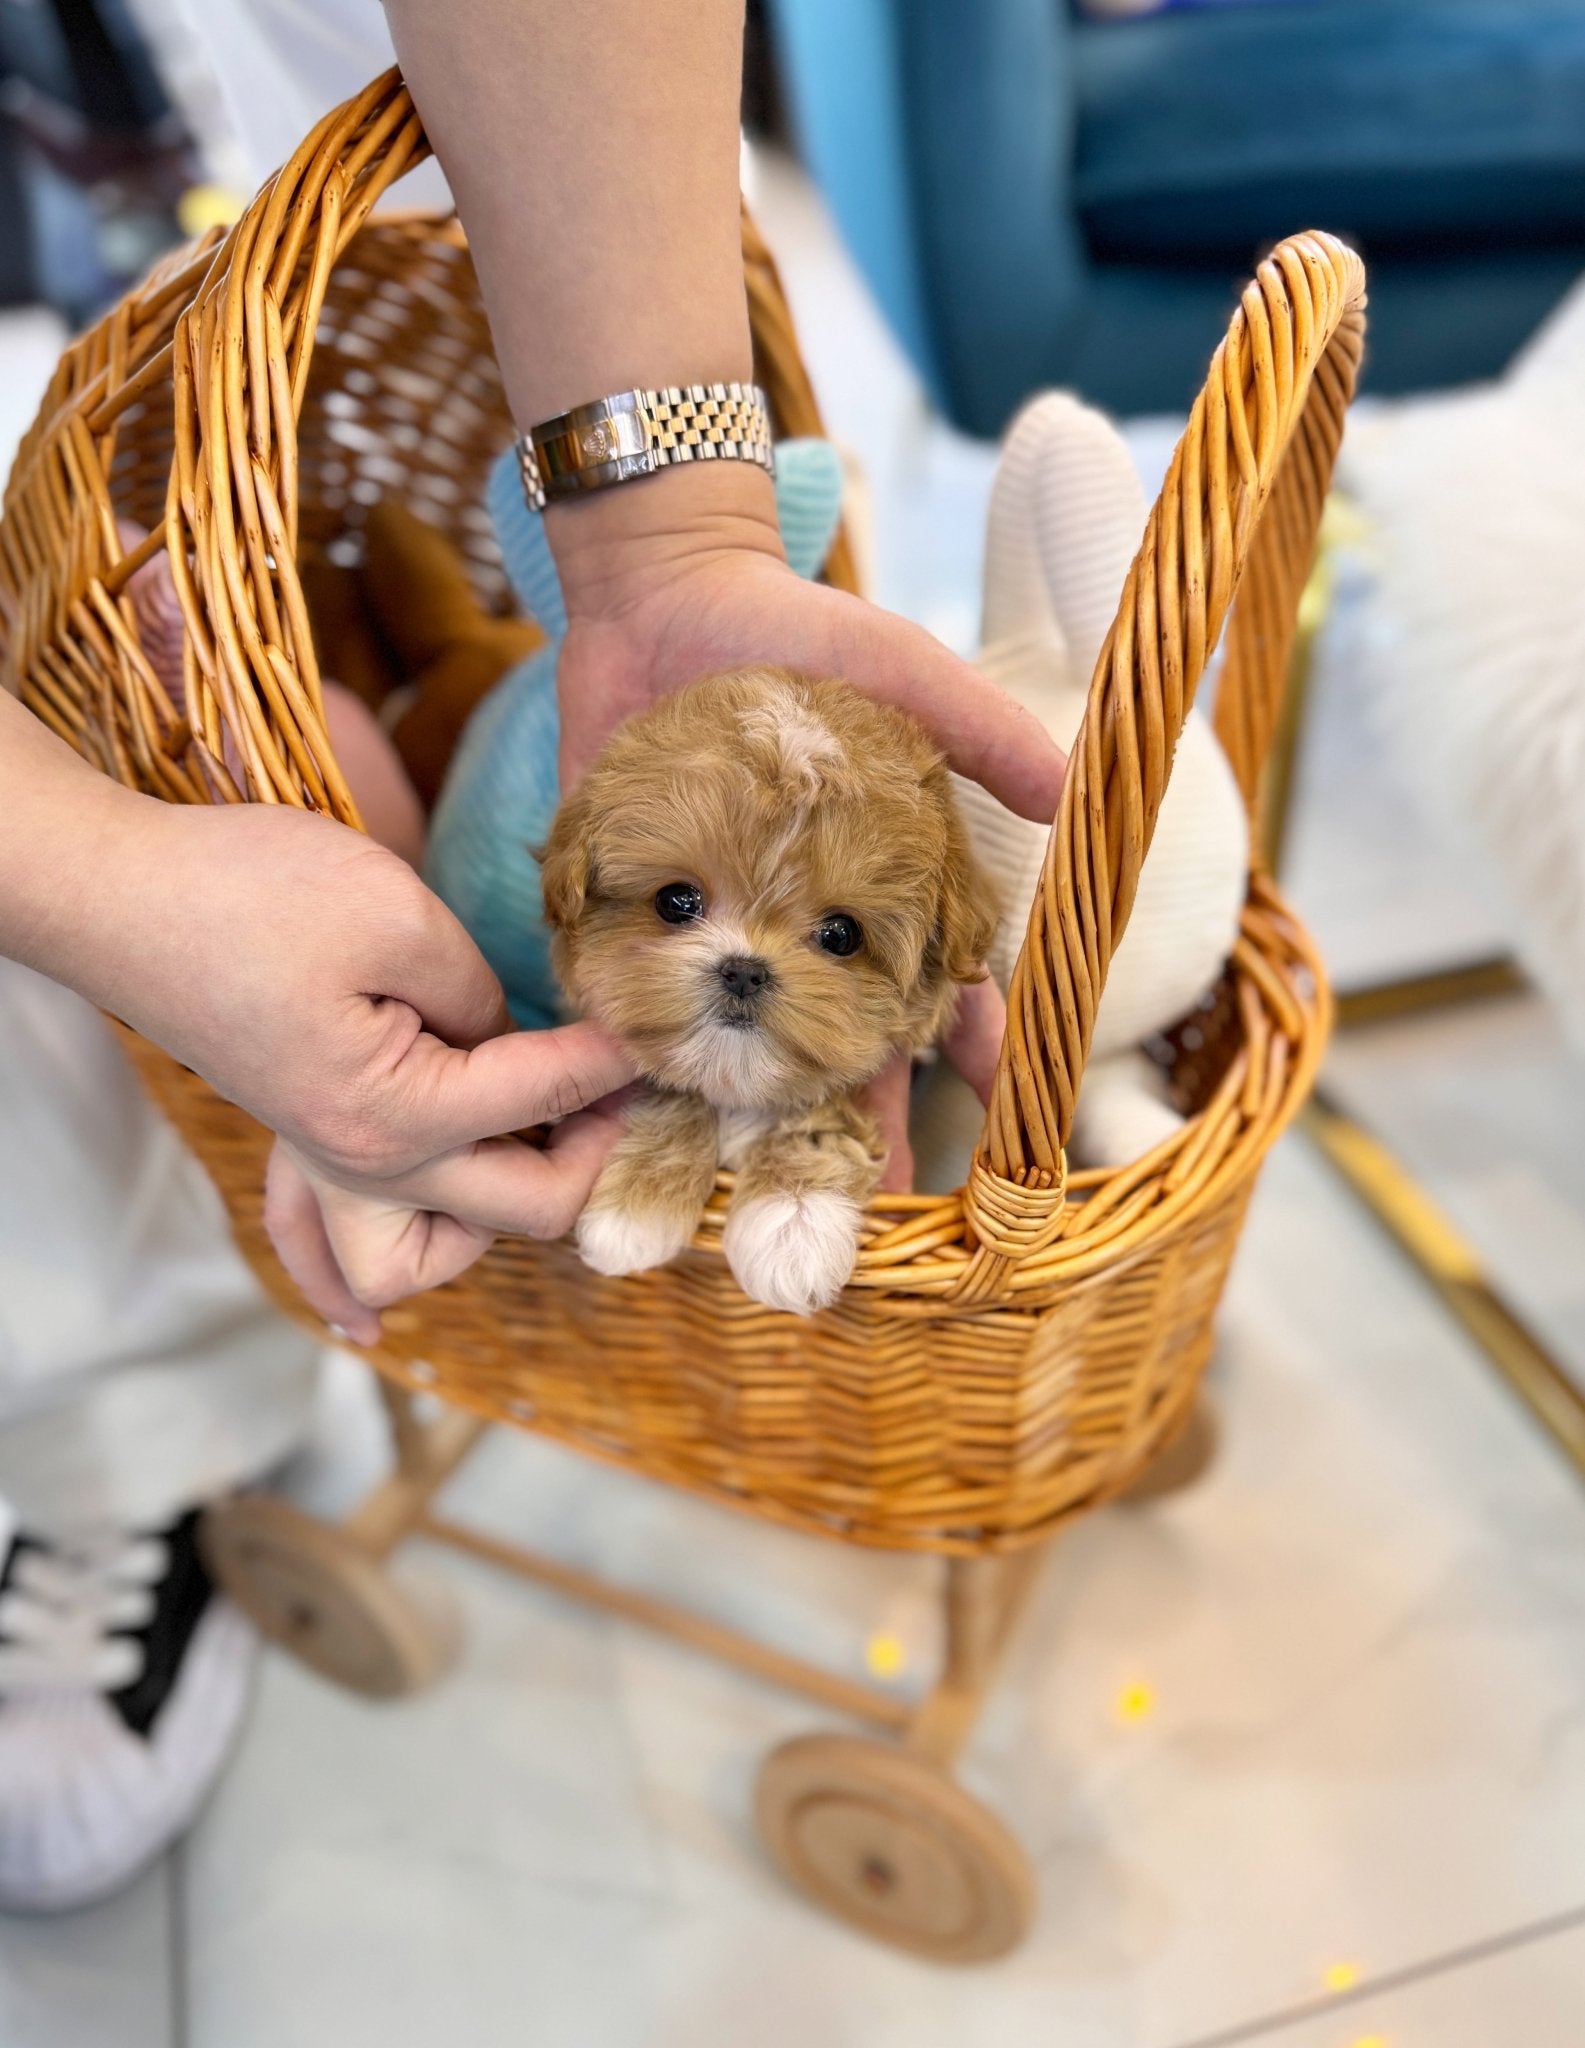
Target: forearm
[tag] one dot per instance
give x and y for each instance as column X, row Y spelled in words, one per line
column 593, row 149
column 72, row 844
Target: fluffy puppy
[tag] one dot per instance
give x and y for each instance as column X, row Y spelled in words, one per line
column 764, row 889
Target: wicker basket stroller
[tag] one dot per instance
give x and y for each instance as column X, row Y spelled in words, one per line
column 1006, row 1356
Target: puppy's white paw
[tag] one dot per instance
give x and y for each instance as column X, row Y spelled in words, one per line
column 793, row 1252
column 615, row 1241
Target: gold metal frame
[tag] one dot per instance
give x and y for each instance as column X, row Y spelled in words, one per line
column 1380, row 1002
column 1453, row 1267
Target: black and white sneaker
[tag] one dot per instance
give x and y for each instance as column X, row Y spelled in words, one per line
column 123, row 1680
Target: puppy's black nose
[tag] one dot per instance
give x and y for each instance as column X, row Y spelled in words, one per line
column 744, row 976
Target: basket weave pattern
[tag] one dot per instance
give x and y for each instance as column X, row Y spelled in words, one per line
column 1006, row 1355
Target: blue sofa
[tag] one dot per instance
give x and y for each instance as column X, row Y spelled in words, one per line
column 1037, row 198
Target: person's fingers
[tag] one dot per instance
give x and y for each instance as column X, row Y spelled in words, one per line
column 297, row 1230
column 387, row 1251
column 511, row 1188
column 973, row 1040
column 577, row 1150
column 384, row 1250
column 984, row 732
column 886, row 1098
column 972, row 1043
column 514, row 1082
column 431, row 1250
column 763, row 612
column 443, row 1098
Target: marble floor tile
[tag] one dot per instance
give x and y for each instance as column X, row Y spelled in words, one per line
column 515, row 1760
column 104, row 1977
column 359, row 1859
column 1523, row 1990
column 1362, row 1637
column 421, row 1952
column 813, row 1598
column 1485, row 1104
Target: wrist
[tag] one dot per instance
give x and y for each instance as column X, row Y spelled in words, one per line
column 615, row 548
column 107, row 926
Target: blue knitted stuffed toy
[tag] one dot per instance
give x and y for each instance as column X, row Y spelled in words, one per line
column 501, row 789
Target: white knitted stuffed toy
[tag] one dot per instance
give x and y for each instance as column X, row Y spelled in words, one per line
column 1067, row 514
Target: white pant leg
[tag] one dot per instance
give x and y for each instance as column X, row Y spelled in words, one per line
column 253, row 77
column 141, row 1367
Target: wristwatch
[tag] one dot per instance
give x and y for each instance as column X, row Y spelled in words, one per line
column 636, row 433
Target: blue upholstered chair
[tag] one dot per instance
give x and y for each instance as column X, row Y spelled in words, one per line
column 1038, row 198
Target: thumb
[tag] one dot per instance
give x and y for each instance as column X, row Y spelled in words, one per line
column 508, row 1083
column 984, row 732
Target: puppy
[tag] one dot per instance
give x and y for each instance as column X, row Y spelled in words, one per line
column 764, row 889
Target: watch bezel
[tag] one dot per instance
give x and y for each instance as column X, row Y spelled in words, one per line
column 568, row 462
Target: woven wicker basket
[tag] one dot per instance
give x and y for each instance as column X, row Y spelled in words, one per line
column 1006, row 1355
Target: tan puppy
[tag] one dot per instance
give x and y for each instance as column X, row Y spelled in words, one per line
column 764, row 889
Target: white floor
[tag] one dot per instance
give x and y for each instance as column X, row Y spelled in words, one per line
column 1355, row 1814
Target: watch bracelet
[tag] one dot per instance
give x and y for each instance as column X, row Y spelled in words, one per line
column 638, row 433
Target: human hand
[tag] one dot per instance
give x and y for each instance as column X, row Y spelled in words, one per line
column 686, row 575
column 310, row 976
column 354, row 1250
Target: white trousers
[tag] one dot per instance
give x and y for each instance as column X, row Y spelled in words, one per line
column 253, row 77
column 141, row 1368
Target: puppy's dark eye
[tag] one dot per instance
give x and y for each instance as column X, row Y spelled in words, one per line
column 839, row 934
column 679, row 902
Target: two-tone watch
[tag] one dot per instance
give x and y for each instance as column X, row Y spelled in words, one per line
column 636, row 433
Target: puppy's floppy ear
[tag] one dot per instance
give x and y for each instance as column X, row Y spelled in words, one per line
column 968, row 909
column 566, row 862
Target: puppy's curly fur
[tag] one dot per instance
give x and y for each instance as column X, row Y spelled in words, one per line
column 763, row 887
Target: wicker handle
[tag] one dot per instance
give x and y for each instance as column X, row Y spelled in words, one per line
column 1238, row 512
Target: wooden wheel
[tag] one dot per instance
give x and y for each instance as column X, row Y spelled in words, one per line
column 313, row 1590
column 1187, row 1457
column 890, row 1844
